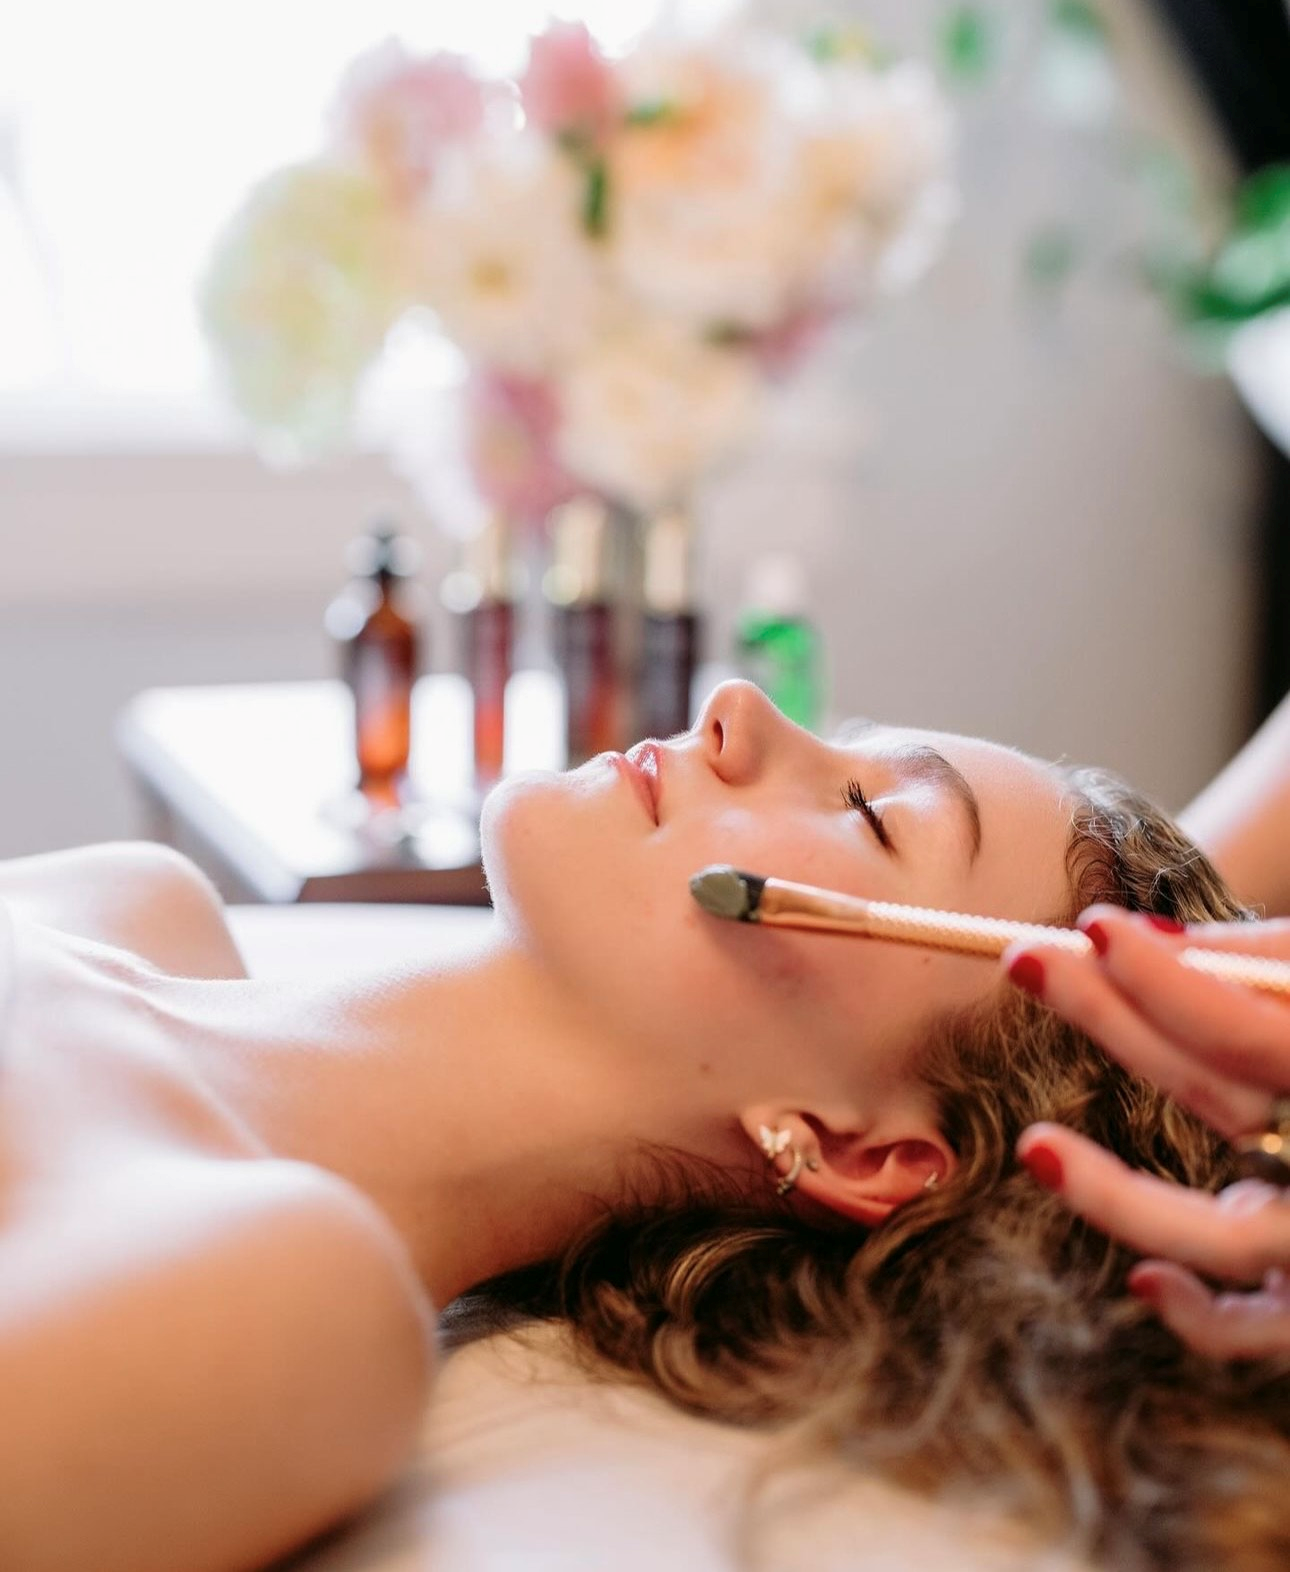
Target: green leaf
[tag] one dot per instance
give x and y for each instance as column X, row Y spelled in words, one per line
column 1080, row 21
column 595, row 200
column 1250, row 273
column 574, row 142
column 830, row 44
column 651, row 112
column 969, row 43
column 1050, row 256
column 1264, row 200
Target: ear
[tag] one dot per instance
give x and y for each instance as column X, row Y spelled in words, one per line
column 860, row 1174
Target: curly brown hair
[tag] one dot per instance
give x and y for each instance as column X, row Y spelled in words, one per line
column 982, row 1337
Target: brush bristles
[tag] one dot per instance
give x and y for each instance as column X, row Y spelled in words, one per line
column 726, row 892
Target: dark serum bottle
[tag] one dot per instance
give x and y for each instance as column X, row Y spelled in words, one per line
column 481, row 594
column 670, row 629
column 583, row 628
column 376, row 622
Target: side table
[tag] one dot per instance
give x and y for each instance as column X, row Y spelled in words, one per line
column 250, row 779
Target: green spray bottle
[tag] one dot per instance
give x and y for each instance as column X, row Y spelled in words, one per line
column 777, row 645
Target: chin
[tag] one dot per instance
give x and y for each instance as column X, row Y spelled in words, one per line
column 533, row 828
column 502, row 811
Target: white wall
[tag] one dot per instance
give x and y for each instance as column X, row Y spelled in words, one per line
column 1030, row 526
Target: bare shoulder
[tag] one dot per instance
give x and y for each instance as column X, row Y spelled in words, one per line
column 260, row 1325
column 138, row 895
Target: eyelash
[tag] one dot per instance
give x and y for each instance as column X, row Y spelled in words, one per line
column 854, row 797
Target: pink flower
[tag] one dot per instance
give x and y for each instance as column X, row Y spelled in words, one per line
column 779, row 350
column 400, row 112
column 569, row 88
column 512, row 424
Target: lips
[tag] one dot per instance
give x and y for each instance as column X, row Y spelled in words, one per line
column 646, row 763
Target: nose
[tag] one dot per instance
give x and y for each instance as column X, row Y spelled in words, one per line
column 740, row 730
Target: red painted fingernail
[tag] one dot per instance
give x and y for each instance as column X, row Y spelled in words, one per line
column 1043, row 1164
column 1027, row 971
column 1145, row 1288
column 1165, row 924
column 1098, row 937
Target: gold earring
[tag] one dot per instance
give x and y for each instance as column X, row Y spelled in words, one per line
column 790, row 1178
column 774, row 1143
column 932, row 1180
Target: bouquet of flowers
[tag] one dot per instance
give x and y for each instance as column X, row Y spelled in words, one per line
column 626, row 250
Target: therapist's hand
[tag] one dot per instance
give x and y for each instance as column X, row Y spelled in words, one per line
column 1223, row 1051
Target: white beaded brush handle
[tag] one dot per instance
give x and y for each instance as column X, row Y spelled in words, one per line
column 779, row 903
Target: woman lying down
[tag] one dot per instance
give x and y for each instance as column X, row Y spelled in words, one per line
column 771, row 1173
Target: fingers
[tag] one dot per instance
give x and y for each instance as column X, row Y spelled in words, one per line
column 1242, row 1033
column 1238, row 1235
column 1270, row 937
column 1223, row 1326
column 1083, row 990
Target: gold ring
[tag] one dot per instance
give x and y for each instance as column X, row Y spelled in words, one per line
column 1265, row 1154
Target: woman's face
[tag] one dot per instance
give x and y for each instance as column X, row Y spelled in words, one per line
column 598, row 891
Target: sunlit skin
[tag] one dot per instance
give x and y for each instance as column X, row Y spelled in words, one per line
column 490, row 1104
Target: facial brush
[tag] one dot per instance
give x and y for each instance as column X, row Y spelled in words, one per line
column 778, row 903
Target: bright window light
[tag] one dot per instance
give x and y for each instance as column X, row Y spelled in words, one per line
column 129, row 133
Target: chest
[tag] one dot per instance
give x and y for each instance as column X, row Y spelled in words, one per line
column 91, row 1073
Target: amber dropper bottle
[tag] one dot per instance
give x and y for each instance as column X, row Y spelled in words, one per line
column 670, row 627
column 376, row 623
column 481, row 594
column 583, row 632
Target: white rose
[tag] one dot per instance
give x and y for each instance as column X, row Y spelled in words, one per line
column 701, row 199
column 505, row 262
column 651, row 407
column 875, row 189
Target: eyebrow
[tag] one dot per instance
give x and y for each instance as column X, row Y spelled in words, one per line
column 919, row 762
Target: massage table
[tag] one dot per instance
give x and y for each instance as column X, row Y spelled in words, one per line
column 526, row 1464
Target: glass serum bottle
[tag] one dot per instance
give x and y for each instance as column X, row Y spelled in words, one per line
column 670, row 628
column 481, row 595
column 583, row 627
column 376, row 624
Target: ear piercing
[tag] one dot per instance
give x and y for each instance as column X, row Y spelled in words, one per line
column 773, row 1144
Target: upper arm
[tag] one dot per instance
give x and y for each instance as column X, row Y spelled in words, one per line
column 215, row 1395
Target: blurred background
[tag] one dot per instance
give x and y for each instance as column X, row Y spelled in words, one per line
column 1025, row 504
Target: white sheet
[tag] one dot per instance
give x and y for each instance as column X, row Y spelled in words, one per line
column 525, row 1465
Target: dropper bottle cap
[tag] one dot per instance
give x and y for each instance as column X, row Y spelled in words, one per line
column 776, row 586
column 485, row 575
column 383, row 552
column 668, row 588
column 579, row 571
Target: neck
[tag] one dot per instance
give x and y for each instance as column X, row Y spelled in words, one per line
column 486, row 1115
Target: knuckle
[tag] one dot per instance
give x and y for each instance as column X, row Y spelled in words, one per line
column 1206, row 1334
column 1081, row 995
column 1254, row 1246
column 1207, row 1102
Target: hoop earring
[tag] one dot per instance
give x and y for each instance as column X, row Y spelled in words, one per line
column 776, row 1142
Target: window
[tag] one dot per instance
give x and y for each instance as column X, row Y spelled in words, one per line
column 128, row 133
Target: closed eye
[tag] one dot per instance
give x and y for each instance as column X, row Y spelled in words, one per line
column 854, row 797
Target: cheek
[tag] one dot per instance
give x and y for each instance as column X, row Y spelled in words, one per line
column 540, row 846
